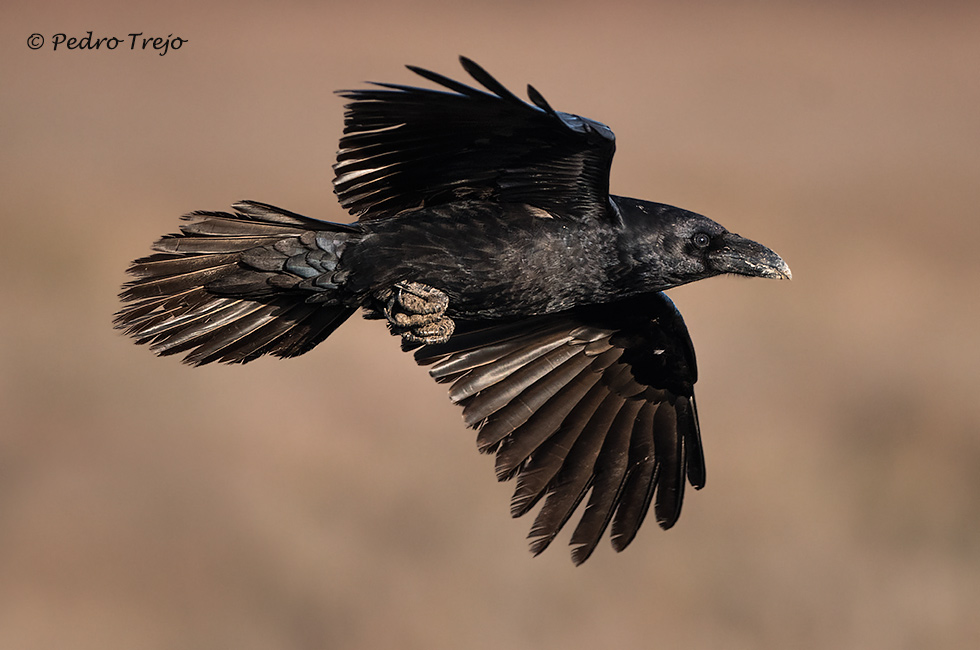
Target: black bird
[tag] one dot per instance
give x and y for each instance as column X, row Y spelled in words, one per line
column 488, row 240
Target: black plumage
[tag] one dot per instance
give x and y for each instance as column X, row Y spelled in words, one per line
column 488, row 240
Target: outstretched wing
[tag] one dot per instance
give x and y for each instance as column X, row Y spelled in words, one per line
column 597, row 401
column 405, row 147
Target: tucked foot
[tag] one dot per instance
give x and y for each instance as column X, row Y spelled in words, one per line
column 417, row 312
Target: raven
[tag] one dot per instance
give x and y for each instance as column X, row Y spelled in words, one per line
column 487, row 239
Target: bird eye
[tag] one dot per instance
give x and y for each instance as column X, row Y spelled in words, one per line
column 701, row 240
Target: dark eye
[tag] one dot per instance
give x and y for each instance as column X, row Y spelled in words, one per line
column 701, row 240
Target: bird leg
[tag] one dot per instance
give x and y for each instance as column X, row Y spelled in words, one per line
column 418, row 313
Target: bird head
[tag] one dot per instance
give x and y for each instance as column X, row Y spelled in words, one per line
column 675, row 246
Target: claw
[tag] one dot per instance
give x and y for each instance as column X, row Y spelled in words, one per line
column 438, row 331
column 417, row 312
column 421, row 299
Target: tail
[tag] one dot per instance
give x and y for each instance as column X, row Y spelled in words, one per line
column 234, row 286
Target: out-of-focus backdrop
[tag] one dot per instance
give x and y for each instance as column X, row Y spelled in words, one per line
column 336, row 500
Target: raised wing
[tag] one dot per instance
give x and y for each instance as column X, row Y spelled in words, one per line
column 596, row 401
column 405, row 147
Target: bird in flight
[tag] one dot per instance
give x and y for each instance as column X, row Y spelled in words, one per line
column 487, row 239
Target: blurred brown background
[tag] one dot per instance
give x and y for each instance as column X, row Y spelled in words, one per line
column 336, row 500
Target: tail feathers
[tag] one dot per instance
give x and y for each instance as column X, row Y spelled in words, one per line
column 234, row 286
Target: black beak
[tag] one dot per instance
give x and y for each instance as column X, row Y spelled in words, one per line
column 745, row 257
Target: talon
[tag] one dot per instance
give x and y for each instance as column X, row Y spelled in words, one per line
column 417, row 312
column 413, row 320
column 421, row 299
column 438, row 331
